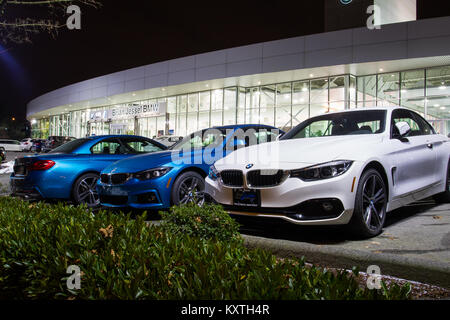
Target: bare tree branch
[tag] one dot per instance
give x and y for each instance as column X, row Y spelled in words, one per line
column 53, row 17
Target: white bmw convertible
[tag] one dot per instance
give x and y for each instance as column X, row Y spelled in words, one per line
column 341, row 168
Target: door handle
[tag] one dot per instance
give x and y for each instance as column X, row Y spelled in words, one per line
column 430, row 146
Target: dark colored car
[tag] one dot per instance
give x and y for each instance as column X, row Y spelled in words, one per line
column 71, row 171
column 56, row 141
column 37, row 145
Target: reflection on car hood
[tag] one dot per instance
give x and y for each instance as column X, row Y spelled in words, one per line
column 297, row 153
column 139, row 162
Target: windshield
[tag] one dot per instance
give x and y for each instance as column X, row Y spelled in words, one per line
column 210, row 138
column 70, row 147
column 340, row 124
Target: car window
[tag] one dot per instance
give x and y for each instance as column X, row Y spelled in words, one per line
column 340, row 124
column 425, row 127
column 67, row 147
column 201, row 139
column 266, row 135
column 419, row 126
column 109, row 146
column 136, row 145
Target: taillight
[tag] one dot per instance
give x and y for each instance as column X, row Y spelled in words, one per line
column 42, row 165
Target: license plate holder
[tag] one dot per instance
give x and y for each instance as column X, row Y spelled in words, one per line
column 246, row 198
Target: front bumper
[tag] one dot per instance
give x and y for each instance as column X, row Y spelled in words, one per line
column 151, row 194
column 285, row 200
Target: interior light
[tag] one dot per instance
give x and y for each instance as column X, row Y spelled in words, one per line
column 443, row 108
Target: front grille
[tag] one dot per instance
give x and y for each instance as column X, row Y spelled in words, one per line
column 114, row 200
column 232, row 178
column 117, row 178
column 264, row 178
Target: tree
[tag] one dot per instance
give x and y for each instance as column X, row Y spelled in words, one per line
column 20, row 20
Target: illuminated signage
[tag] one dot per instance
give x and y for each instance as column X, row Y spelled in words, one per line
column 130, row 110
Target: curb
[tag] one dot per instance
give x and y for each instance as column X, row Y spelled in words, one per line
column 413, row 269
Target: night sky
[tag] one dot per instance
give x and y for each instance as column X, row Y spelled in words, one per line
column 131, row 33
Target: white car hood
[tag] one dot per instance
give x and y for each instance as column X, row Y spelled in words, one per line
column 300, row 153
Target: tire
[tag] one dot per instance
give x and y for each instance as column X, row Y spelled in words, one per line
column 188, row 188
column 370, row 205
column 84, row 190
column 444, row 197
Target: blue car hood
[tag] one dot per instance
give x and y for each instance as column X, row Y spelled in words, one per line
column 140, row 162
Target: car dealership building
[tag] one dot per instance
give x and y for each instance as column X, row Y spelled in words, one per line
column 278, row 83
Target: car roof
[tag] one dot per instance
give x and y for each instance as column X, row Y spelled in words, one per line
column 367, row 109
column 244, row 126
column 115, row 136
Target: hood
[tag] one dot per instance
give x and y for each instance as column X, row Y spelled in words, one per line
column 140, row 162
column 300, row 153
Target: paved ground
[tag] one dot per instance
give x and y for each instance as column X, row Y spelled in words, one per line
column 414, row 245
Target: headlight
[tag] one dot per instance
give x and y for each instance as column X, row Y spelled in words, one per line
column 322, row 171
column 152, row 173
column 213, row 173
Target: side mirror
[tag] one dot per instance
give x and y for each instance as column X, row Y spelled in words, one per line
column 403, row 130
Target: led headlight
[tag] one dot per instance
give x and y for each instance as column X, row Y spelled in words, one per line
column 213, row 173
column 322, row 171
column 152, row 173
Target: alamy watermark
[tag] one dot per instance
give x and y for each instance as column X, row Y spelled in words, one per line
column 374, row 277
column 74, row 280
column 74, row 20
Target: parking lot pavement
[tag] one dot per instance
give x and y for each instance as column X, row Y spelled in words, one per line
column 414, row 245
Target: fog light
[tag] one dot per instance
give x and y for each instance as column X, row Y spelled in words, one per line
column 327, row 206
column 149, row 197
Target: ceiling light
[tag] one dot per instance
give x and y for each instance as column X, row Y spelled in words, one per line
column 381, row 69
column 442, row 87
column 443, row 108
column 311, row 75
column 436, row 105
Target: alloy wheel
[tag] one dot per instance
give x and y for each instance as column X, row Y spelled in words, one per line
column 190, row 192
column 87, row 193
column 374, row 202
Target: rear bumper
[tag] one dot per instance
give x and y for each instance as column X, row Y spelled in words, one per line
column 21, row 188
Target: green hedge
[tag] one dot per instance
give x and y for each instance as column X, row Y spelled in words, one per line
column 123, row 258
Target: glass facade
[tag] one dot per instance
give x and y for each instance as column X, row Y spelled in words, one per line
column 283, row 105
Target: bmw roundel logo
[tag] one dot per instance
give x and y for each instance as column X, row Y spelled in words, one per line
column 345, row 1
column 249, row 166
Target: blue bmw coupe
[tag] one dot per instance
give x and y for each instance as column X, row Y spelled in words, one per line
column 176, row 176
column 71, row 171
